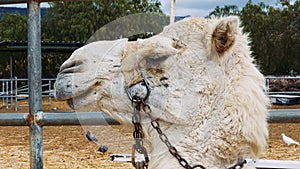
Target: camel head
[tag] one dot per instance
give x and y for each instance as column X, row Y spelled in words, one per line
column 205, row 90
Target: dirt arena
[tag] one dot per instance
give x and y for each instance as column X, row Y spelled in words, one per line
column 66, row 147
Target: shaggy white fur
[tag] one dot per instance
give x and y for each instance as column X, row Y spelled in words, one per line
column 206, row 92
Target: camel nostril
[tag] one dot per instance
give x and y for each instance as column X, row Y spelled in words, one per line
column 71, row 66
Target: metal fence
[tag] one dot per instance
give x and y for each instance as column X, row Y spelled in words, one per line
column 272, row 79
column 13, row 90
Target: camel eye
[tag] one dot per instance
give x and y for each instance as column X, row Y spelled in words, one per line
column 156, row 59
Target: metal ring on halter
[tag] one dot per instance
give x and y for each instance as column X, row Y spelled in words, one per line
column 137, row 94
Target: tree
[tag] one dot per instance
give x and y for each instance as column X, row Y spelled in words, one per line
column 254, row 20
column 274, row 33
column 13, row 27
column 77, row 21
column 224, row 11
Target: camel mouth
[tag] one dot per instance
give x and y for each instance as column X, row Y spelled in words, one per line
column 76, row 102
column 66, row 88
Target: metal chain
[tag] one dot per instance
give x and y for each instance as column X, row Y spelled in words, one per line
column 163, row 137
column 138, row 136
column 173, row 151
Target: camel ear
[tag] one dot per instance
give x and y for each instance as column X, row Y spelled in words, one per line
column 223, row 35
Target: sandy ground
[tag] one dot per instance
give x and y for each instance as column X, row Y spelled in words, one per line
column 66, row 147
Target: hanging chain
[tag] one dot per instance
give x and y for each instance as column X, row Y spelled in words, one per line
column 139, row 104
column 163, row 137
column 138, row 136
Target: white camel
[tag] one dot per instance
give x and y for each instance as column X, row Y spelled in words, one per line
column 205, row 91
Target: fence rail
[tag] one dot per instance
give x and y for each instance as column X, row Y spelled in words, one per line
column 57, row 119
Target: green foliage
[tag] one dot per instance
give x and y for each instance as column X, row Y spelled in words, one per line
column 82, row 20
column 13, row 27
column 77, row 21
column 51, row 63
column 19, row 64
column 224, row 11
column 274, row 31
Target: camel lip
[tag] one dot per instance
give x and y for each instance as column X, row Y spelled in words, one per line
column 71, row 101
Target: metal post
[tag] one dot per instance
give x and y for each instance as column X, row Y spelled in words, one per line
column 7, row 94
column 35, row 89
column 11, row 82
column 3, row 86
column 10, row 65
column 49, row 93
column 16, row 93
column 11, row 93
column 268, row 86
column 172, row 16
